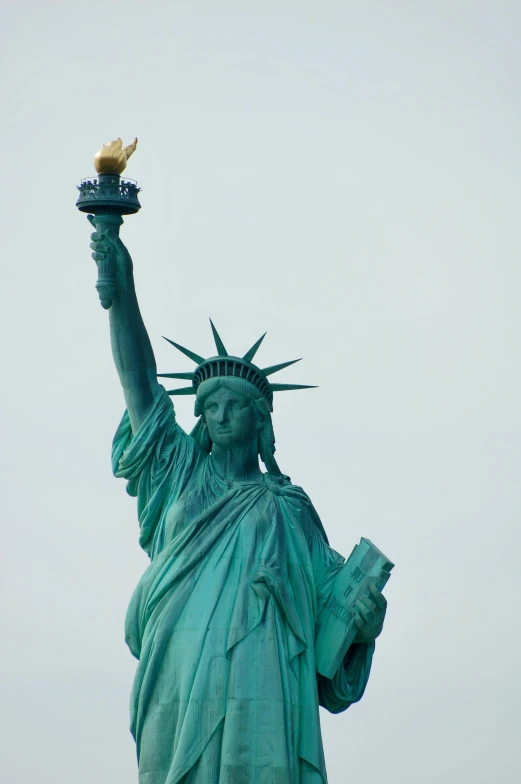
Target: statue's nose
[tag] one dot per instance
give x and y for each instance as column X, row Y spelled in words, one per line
column 222, row 414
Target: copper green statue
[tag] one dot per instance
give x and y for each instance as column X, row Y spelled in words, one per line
column 246, row 620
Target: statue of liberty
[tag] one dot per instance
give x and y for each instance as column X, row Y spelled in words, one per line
column 223, row 621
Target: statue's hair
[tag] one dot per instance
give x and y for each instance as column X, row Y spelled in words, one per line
column 261, row 407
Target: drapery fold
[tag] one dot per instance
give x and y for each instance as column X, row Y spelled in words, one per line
column 223, row 619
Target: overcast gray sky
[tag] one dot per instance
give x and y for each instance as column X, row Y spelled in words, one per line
column 345, row 175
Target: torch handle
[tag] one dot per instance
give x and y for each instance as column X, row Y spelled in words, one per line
column 107, row 270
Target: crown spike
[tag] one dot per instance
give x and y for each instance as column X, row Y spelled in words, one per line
column 182, row 391
column 194, row 357
column 284, row 387
column 253, row 350
column 185, row 376
column 218, row 342
column 275, row 368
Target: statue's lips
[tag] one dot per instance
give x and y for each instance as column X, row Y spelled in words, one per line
column 225, row 432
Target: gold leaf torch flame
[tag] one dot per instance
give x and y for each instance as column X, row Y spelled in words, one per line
column 113, row 157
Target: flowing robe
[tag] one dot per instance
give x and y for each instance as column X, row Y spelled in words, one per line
column 222, row 621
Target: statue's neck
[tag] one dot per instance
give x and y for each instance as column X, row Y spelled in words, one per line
column 237, row 465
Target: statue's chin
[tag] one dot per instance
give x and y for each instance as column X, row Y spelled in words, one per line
column 229, row 442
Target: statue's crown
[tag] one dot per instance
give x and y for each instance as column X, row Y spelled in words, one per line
column 225, row 364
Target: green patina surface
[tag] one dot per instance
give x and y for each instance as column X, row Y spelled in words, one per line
column 223, row 621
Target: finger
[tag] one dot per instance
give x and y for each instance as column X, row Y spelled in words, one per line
column 99, row 256
column 366, row 614
column 366, row 601
column 359, row 622
column 96, row 236
column 378, row 597
column 100, row 246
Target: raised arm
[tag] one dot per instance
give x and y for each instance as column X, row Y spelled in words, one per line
column 131, row 348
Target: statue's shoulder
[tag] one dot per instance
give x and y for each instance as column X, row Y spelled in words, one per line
column 283, row 487
column 297, row 502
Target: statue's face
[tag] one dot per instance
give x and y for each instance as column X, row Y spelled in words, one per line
column 230, row 419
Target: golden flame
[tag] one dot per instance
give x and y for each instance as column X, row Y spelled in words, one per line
column 113, row 157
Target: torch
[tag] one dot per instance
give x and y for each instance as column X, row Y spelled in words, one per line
column 106, row 198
